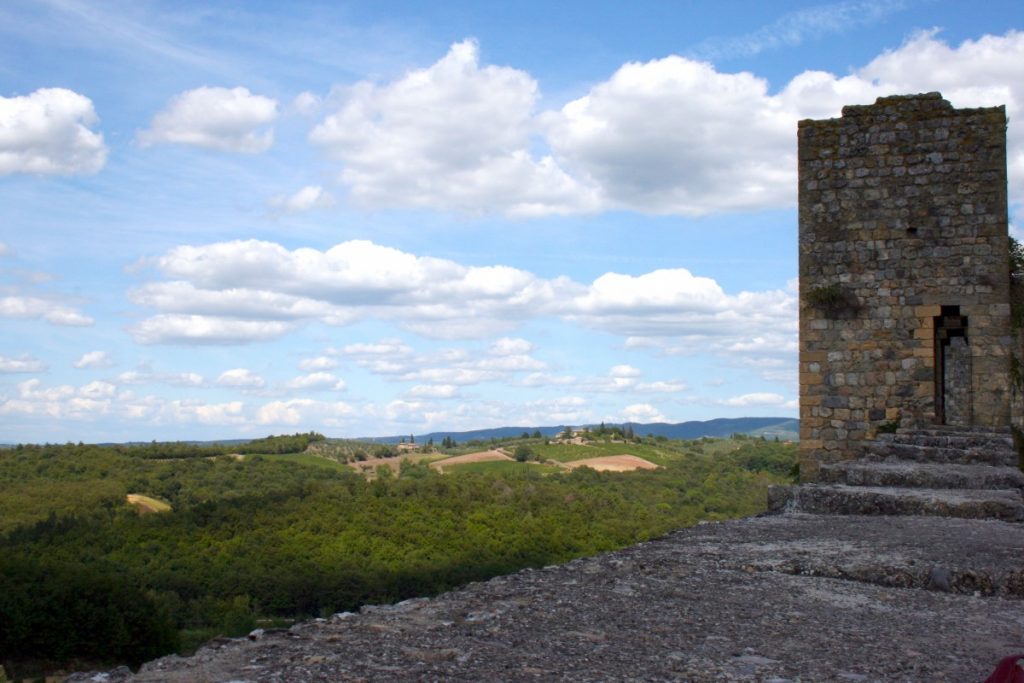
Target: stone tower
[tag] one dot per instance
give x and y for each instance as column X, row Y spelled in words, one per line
column 904, row 273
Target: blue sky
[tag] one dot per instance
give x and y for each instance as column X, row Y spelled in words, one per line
column 225, row 219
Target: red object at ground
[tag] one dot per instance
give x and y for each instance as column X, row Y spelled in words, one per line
column 1008, row 671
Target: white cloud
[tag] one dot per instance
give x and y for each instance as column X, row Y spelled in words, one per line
column 318, row 363
column 661, row 387
column 36, row 307
column 624, row 371
column 675, row 303
column 307, row 103
column 452, row 375
column 561, row 410
column 755, row 399
column 305, row 199
column 507, row 346
column 235, row 292
column 23, row 363
column 230, row 413
column 48, row 132
column 240, row 377
column 93, row 359
column 676, row 136
column 5, row 250
column 317, row 381
column 434, row 391
column 668, row 136
column 304, row 411
column 199, row 329
column 643, row 413
column 97, row 390
column 385, row 347
column 454, row 136
column 178, row 379
column 541, row 379
column 60, row 402
column 246, row 290
column 225, row 119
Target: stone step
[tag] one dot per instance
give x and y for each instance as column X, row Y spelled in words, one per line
column 997, row 456
column 838, row 499
column 957, row 429
column 949, row 440
column 913, row 474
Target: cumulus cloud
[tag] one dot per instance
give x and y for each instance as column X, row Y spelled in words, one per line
column 434, row 391
column 304, row 411
column 755, row 399
column 22, row 363
column 318, row 363
column 248, row 290
column 229, row 413
column 453, row 136
column 306, row 103
column 673, row 135
column 240, row 378
column 623, row 379
column 507, row 346
column 49, row 132
column 53, row 312
column 561, row 410
column 642, row 412
column 687, row 312
column 224, row 119
column 305, row 199
column 63, row 401
column 676, row 136
column 237, row 292
column 200, row 329
column 93, row 359
column 317, row 381
column 146, row 376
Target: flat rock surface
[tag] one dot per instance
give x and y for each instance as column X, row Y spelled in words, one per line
column 782, row 598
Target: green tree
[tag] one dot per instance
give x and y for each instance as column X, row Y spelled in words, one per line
column 523, row 453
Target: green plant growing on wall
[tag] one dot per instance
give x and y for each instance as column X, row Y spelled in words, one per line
column 1016, row 284
column 832, row 299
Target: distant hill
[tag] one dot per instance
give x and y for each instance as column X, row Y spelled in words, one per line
column 785, row 428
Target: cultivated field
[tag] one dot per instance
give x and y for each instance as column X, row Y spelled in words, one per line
column 613, row 463
column 482, row 456
column 146, row 504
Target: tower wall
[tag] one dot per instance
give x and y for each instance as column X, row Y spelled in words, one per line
column 904, row 274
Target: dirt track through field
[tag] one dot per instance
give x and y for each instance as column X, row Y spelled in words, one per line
column 482, row 456
column 613, row 463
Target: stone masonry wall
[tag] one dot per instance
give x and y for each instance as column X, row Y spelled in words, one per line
column 903, row 216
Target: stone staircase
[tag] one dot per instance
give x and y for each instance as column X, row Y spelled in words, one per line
column 966, row 472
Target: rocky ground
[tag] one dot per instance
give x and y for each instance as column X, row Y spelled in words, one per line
column 791, row 597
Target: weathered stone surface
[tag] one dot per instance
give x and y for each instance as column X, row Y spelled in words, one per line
column 912, row 474
column 838, row 499
column 947, row 472
column 780, row 598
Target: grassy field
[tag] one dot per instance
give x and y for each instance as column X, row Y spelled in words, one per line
column 505, row 467
column 597, row 449
column 307, row 459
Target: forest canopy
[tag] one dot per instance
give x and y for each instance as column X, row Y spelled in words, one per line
column 271, row 537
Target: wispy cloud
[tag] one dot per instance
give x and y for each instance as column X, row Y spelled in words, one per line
column 795, row 27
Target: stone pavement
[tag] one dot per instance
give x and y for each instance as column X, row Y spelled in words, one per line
column 789, row 597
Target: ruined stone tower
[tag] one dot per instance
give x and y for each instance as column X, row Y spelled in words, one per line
column 904, row 275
